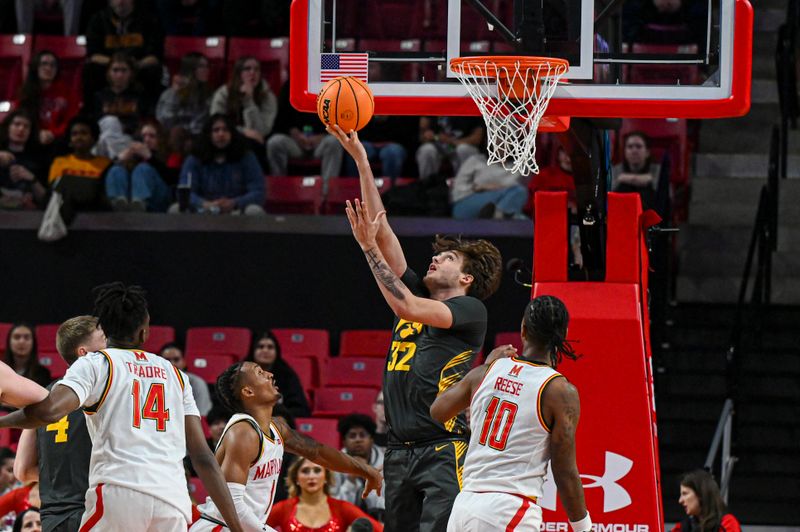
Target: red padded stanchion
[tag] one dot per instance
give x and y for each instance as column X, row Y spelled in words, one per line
column 550, row 237
column 622, row 242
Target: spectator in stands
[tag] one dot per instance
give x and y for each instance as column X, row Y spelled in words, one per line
column 121, row 98
column 358, row 436
column 705, row 509
column 300, row 135
column 78, row 176
column 266, row 352
column 174, row 353
column 7, row 478
column 381, row 435
column 28, row 521
column 16, row 502
column 183, row 107
column 248, row 99
column 452, row 139
column 309, row 502
column 23, row 165
column 141, row 169
column 637, row 172
column 483, row 191
column 27, row 11
column 217, row 418
column 22, row 354
column 128, row 28
column 224, row 175
column 46, row 98
column 188, row 17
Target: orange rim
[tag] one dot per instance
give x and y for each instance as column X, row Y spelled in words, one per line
column 476, row 65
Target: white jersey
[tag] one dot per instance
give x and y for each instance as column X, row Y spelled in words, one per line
column 135, row 403
column 262, row 478
column 509, row 446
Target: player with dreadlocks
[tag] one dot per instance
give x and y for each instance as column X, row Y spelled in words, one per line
column 250, row 451
column 141, row 418
column 524, row 414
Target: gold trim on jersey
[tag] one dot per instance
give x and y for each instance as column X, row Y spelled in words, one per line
column 91, row 410
column 460, row 448
column 180, row 377
column 532, row 362
column 539, row 400
column 446, row 382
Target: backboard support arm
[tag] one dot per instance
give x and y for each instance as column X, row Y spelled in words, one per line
column 492, row 19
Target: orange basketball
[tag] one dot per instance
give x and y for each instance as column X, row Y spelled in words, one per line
column 346, row 101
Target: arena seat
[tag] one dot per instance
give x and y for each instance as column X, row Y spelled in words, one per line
column 56, row 365
column 209, row 366
column 321, row 429
column 5, row 436
column 273, row 54
column 175, row 47
column 365, row 343
column 5, row 328
column 197, row 490
column 337, row 402
column 341, row 189
column 304, row 342
column 46, row 337
column 15, row 54
column 159, row 336
column 293, row 195
column 512, row 338
column 664, row 74
column 354, row 371
column 306, row 369
column 71, row 54
column 218, row 341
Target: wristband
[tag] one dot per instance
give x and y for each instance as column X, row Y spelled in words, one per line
column 583, row 525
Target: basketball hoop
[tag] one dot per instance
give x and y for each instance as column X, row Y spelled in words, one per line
column 512, row 93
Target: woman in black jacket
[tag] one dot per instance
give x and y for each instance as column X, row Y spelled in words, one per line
column 266, row 352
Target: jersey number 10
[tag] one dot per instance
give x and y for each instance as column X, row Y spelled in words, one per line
column 497, row 425
column 154, row 405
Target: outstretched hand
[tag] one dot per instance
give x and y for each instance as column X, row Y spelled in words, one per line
column 502, row 351
column 374, row 482
column 365, row 230
column 350, row 143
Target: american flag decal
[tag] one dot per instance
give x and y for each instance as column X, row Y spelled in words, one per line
column 334, row 65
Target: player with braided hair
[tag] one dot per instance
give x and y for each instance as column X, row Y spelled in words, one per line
column 524, row 414
column 141, row 418
column 250, row 450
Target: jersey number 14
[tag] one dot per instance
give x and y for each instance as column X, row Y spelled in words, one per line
column 154, row 405
column 497, row 425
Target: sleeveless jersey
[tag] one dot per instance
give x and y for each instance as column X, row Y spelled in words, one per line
column 509, row 446
column 262, row 478
column 64, row 449
column 135, row 403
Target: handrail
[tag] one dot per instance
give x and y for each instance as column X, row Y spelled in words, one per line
column 723, row 434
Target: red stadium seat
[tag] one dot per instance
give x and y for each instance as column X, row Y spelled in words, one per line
column 341, row 189
column 208, row 367
column 212, row 47
column 354, row 371
column 337, row 402
column 512, row 338
column 54, row 363
column 365, row 343
column 306, row 369
column 5, row 328
column 218, row 341
column 672, row 74
column 5, row 436
column 304, row 342
column 272, row 53
column 322, row 430
column 206, row 428
column 71, row 53
column 15, row 54
column 160, row 335
column 46, row 337
column 293, row 195
column 197, row 490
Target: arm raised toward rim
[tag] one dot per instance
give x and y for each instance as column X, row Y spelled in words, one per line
column 386, row 239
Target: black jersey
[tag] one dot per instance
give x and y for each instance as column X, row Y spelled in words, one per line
column 425, row 360
column 64, row 450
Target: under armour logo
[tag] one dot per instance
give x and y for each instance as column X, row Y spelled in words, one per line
column 614, row 495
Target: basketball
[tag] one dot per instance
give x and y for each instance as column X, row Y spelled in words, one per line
column 346, row 101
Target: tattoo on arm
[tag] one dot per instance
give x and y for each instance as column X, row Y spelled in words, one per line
column 298, row 443
column 384, row 274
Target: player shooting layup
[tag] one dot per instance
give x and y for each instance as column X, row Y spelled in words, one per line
column 523, row 414
column 440, row 325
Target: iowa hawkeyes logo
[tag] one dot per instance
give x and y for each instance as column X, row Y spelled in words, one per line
column 407, row 328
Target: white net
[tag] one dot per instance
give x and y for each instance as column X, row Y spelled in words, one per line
column 512, row 95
